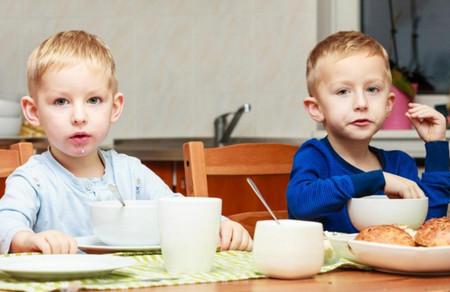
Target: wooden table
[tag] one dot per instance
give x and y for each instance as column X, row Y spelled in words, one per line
column 340, row 280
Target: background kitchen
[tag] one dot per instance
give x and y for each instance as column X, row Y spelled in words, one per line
column 183, row 63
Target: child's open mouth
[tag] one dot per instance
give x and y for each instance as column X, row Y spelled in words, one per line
column 80, row 138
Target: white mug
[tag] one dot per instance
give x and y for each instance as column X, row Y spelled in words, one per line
column 189, row 231
column 289, row 250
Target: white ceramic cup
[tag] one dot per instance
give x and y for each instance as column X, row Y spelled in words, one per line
column 289, row 250
column 189, row 231
column 133, row 225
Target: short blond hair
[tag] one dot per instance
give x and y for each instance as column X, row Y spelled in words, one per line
column 70, row 48
column 343, row 44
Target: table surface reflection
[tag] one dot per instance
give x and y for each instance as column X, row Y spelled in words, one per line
column 340, row 280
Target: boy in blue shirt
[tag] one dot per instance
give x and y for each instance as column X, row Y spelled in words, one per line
column 74, row 96
column 349, row 81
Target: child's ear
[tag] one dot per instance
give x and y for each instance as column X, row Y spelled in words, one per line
column 118, row 102
column 312, row 106
column 390, row 102
column 30, row 110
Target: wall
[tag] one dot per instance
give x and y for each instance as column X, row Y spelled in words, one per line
column 181, row 63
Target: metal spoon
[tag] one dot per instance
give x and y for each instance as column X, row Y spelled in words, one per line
column 260, row 197
column 116, row 193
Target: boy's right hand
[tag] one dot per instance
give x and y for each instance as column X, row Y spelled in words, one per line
column 397, row 186
column 47, row 242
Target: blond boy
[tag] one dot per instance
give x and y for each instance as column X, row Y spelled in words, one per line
column 349, row 84
column 74, row 96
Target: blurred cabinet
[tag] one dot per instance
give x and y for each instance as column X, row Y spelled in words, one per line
column 171, row 172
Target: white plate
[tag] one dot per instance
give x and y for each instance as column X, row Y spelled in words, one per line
column 58, row 267
column 91, row 244
column 402, row 259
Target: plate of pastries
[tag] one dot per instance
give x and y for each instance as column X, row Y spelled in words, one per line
column 425, row 251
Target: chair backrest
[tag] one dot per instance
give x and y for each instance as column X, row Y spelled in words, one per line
column 236, row 162
column 11, row 158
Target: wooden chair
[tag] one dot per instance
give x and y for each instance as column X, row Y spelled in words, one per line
column 11, row 158
column 235, row 163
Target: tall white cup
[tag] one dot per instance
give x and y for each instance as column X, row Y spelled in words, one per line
column 189, row 231
column 289, row 250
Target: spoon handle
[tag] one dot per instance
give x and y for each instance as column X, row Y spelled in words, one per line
column 116, row 193
column 260, row 197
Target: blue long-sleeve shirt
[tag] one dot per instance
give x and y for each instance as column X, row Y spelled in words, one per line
column 321, row 182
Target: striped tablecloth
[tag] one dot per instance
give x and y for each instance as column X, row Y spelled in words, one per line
column 149, row 271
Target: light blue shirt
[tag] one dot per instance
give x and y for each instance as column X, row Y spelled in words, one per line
column 42, row 195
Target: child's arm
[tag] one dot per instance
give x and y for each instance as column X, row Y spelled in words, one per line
column 318, row 184
column 47, row 242
column 429, row 123
column 435, row 181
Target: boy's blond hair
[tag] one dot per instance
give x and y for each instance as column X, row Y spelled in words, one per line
column 70, row 48
column 343, row 44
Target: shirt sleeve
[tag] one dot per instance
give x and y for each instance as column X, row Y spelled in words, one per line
column 437, row 156
column 313, row 193
column 18, row 209
column 435, row 181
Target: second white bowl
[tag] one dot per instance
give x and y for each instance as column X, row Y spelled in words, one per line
column 378, row 209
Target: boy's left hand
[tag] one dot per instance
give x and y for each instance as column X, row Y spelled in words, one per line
column 429, row 123
column 234, row 236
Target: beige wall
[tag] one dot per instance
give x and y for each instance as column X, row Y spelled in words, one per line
column 182, row 62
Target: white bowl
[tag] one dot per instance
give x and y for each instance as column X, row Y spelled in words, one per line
column 10, row 126
column 377, row 209
column 9, row 108
column 136, row 224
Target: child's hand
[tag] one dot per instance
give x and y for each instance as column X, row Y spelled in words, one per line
column 429, row 123
column 47, row 242
column 234, row 236
column 397, row 186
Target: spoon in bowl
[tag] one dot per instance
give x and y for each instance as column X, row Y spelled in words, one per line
column 261, row 198
column 116, row 193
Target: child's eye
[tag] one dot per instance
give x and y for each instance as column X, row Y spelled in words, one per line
column 343, row 92
column 95, row 100
column 60, row 101
column 373, row 89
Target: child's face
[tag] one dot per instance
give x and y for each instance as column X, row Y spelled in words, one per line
column 353, row 96
column 76, row 108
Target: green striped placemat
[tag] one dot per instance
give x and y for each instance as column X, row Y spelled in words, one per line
column 149, row 271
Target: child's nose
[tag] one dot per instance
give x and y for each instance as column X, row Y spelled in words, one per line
column 78, row 115
column 361, row 102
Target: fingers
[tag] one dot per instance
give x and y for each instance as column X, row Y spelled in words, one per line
column 54, row 242
column 421, row 112
column 225, row 236
column 235, row 237
column 400, row 186
column 247, row 242
column 42, row 245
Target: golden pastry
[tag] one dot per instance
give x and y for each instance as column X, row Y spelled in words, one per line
column 434, row 232
column 389, row 234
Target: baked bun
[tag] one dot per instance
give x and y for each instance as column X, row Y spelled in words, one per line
column 389, row 234
column 434, row 232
